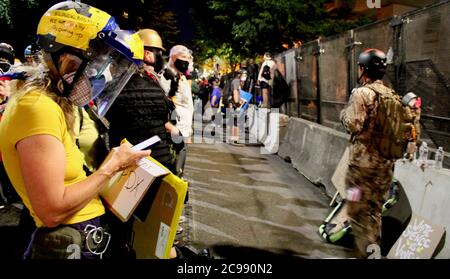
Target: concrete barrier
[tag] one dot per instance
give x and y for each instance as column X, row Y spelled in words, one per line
column 428, row 192
column 267, row 127
column 252, row 124
column 314, row 150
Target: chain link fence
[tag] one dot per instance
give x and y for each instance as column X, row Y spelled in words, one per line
column 322, row 73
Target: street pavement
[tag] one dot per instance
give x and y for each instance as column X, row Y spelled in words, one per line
column 244, row 203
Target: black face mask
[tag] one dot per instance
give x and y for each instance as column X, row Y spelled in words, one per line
column 159, row 61
column 158, row 64
column 181, row 65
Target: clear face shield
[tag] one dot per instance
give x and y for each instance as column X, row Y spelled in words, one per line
column 108, row 75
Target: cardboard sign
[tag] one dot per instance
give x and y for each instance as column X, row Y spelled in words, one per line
column 154, row 235
column 418, row 241
column 127, row 188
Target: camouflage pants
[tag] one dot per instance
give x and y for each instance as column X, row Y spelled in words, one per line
column 365, row 213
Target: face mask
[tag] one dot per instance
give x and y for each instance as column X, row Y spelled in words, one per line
column 159, row 61
column 181, row 65
column 243, row 78
column 81, row 92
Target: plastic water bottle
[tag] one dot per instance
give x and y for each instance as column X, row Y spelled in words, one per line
column 423, row 154
column 439, row 158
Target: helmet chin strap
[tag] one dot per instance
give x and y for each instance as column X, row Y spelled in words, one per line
column 68, row 87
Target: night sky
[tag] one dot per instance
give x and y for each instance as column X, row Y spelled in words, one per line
column 181, row 8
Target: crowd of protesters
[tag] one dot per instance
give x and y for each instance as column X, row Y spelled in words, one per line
column 217, row 88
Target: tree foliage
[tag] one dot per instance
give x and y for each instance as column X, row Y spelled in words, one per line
column 18, row 19
column 252, row 27
column 6, row 9
column 140, row 14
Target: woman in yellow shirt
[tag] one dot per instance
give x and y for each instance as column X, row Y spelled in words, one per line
column 36, row 132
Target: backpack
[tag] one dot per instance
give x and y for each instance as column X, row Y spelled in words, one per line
column 266, row 72
column 395, row 123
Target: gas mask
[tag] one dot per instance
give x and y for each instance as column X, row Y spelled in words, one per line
column 181, row 65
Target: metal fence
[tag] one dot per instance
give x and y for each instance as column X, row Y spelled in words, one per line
column 334, row 80
column 322, row 73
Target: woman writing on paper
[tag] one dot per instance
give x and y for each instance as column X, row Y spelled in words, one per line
column 36, row 141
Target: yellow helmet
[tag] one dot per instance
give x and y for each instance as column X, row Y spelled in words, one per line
column 72, row 24
column 77, row 25
column 151, row 38
column 107, row 55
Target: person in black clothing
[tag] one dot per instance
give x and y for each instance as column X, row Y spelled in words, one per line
column 205, row 92
column 253, row 70
column 141, row 111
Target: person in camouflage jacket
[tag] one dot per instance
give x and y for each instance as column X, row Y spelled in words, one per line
column 369, row 175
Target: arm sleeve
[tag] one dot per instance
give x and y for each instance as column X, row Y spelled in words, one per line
column 190, row 106
column 355, row 114
column 165, row 84
column 41, row 117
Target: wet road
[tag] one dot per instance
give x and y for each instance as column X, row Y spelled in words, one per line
column 246, row 201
